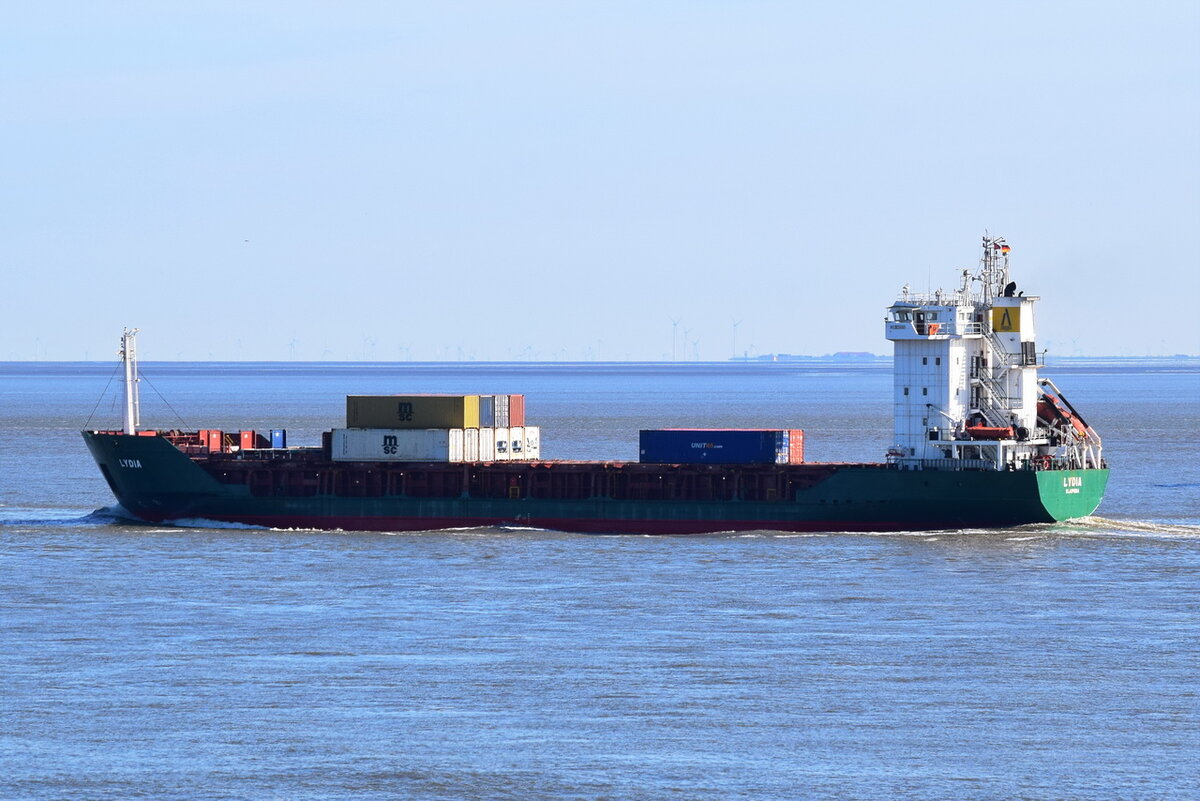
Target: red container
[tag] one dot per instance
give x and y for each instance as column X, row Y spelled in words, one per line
column 247, row 440
column 516, row 410
column 216, row 441
column 796, row 446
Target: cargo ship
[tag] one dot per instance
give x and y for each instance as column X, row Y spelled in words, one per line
column 980, row 441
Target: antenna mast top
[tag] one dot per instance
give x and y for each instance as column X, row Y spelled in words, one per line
column 993, row 266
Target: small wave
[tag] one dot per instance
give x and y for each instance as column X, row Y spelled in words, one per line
column 513, row 528
column 62, row 518
column 203, row 522
column 114, row 514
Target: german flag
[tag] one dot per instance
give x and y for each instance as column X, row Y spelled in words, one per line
column 1005, row 248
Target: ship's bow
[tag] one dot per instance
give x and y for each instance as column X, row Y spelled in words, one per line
column 149, row 476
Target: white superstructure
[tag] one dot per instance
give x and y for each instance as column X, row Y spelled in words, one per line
column 967, row 392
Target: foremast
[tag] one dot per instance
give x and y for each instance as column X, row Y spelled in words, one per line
column 966, row 387
column 132, row 415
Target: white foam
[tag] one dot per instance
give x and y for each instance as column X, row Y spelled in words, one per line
column 203, row 522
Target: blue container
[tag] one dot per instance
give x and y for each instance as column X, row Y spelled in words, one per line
column 278, row 438
column 714, row 446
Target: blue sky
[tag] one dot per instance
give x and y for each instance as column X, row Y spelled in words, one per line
column 564, row 180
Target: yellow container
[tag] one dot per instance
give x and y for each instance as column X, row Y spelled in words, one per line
column 412, row 411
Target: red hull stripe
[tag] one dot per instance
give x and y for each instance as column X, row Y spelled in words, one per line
column 575, row 525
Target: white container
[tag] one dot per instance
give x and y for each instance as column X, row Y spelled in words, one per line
column 457, row 440
column 516, row 443
column 502, row 447
column 395, row 445
column 533, row 443
column 471, row 445
column 487, row 444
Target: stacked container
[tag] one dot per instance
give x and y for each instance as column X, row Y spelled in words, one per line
column 435, row 444
column 441, row 428
column 501, row 411
column 213, row 440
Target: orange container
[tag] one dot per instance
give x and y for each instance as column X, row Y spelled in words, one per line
column 796, row 446
column 516, row 410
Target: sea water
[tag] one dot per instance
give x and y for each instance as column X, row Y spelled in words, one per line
column 203, row 661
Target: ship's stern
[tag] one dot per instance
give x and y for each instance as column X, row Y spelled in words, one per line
column 1068, row 494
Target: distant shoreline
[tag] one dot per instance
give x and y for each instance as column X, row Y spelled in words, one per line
column 774, row 360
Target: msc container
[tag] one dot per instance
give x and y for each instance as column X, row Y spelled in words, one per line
column 516, row 443
column 396, row 445
column 718, row 446
column 412, row 411
column 246, row 440
column 516, row 410
column 278, row 438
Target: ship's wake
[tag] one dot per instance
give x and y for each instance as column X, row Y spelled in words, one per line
column 1103, row 526
column 41, row 517
column 204, row 522
column 27, row 517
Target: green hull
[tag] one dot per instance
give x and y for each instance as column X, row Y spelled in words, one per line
column 155, row 481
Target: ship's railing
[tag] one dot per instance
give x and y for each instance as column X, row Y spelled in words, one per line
column 1061, row 463
column 937, row 328
column 258, row 455
column 952, row 297
column 943, row 464
column 1049, row 463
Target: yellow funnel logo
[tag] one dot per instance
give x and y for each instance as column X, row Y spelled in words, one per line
column 1006, row 318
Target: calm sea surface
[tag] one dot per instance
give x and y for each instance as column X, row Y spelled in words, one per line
column 1045, row 662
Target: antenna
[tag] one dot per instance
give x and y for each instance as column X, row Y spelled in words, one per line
column 129, row 359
